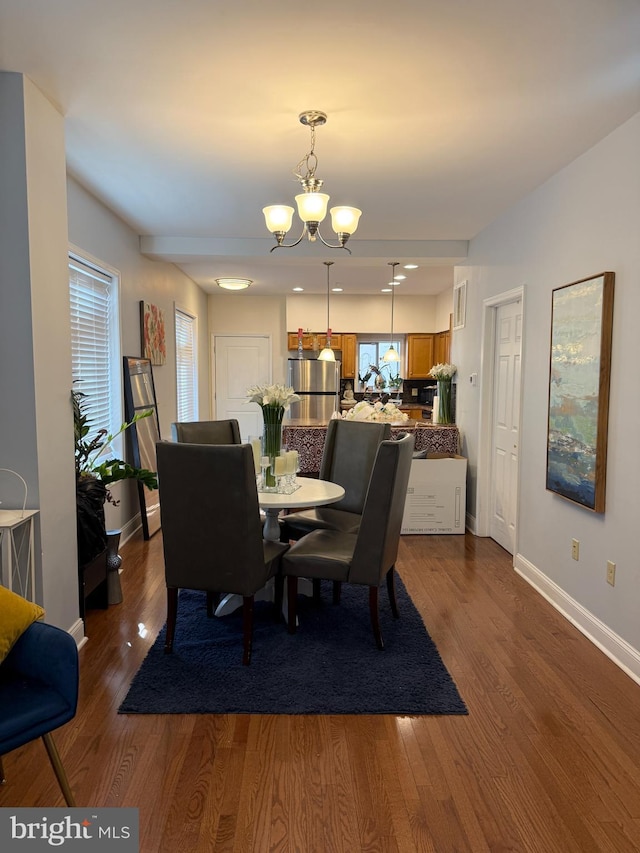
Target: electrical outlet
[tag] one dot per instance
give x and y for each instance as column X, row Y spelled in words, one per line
column 611, row 573
column 575, row 549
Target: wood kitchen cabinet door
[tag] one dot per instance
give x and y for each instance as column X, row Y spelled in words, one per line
column 420, row 352
column 349, row 350
column 307, row 340
column 442, row 348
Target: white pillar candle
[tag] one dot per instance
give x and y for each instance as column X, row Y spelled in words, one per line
column 279, row 465
column 292, row 458
column 256, row 446
column 434, row 411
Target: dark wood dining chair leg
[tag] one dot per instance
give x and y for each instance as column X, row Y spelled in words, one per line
column 213, row 600
column 247, row 626
column 278, row 596
column 391, row 589
column 58, row 769
column 292, row 594
column 375, row 619
column 337, row 591
column 172, row 613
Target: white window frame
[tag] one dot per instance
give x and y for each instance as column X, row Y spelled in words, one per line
column 188, row 370
column 113, row 379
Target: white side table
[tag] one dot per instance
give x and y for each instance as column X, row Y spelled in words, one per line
column 17, row 554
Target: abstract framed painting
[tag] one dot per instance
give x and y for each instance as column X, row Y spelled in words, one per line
column 152, row 333
column 579, row 375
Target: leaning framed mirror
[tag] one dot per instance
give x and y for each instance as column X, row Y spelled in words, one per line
column 140, row 396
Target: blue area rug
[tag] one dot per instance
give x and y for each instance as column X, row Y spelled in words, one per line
column 330, row 666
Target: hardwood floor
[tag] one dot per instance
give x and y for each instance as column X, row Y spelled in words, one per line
column 547, row 759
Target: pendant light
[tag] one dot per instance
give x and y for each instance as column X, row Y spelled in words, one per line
column 392, row 354
column 327, row 354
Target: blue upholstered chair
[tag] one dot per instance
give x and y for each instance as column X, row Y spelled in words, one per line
column 39, row 693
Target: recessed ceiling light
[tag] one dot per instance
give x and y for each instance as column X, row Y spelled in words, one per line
column 411, row 266
column 298, row 289
column 394, row 283
column 386, row 290
column 399, row 277
column 336, row 289
column 234, row 283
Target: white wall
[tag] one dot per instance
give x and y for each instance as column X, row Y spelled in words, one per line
column 239, row 313
column 98, row 231
column 444, row 309
column 36, row 425
column 583, row 221
column 365, row 314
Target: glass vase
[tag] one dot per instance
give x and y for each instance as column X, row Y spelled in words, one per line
column 271, row 443
column 444, row 401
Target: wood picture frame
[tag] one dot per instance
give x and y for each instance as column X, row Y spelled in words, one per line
column 152, row 333
column 579, row 378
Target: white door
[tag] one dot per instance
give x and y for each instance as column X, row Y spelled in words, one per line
column 240, row 361
column 506, row 424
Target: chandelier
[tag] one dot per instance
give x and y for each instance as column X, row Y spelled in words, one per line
column 312, row 204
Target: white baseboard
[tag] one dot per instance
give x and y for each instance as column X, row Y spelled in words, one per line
column 132, row 526
column 613, row 646
column 77, row 632
column 470, row 522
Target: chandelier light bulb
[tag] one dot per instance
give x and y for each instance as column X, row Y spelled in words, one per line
column 344, row 220
column 278, row 217
column 312, row 207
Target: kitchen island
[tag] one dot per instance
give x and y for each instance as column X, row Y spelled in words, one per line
column 307, row 437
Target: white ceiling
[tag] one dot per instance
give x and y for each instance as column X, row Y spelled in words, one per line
column 183, row 118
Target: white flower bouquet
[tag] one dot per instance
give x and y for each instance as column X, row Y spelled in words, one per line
column 385, row 412
column 443, row 371
column 275, row 396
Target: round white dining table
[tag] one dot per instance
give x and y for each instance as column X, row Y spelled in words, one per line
column 311, row 492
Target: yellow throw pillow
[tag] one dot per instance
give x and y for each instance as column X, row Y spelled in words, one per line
column 16, row 614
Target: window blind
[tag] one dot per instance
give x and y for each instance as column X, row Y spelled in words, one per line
column 91, row 303
column 186, row 372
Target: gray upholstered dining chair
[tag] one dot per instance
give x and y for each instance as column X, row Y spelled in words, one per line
column 347, row 459
column 211, row 529
column 207, row 432
column 368, row 556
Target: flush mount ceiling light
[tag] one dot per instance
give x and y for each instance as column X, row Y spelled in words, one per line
column 234, row 283
column 327, row 354
column 312, row 204
column 392, row 354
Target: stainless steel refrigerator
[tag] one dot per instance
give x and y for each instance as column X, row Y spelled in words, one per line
column 318, row 385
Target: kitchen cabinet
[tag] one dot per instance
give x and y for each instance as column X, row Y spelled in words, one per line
column 420, row 352
column 442, row 347
column 307, row 340
column 349, row 356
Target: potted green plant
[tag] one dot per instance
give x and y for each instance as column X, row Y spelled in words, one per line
column 94, row 475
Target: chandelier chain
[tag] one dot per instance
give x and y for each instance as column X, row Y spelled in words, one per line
column 309, row 161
